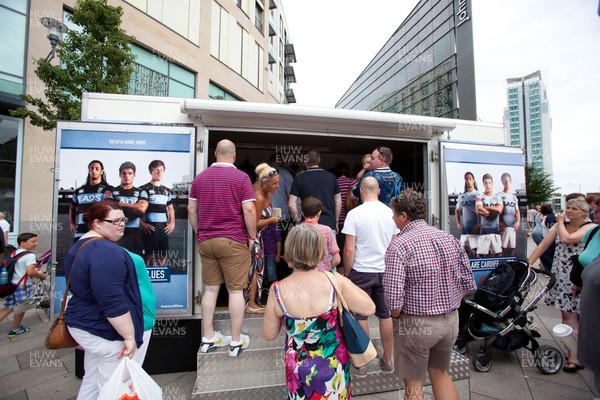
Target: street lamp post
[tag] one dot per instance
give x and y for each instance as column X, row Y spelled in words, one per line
column 55, row 31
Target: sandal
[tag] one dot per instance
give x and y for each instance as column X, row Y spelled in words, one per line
column 571, row 367
column 250, row 310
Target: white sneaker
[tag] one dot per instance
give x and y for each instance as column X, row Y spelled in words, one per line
column 235, row 348
column 218, row 340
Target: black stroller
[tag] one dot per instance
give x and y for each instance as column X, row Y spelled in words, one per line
column 495, row 313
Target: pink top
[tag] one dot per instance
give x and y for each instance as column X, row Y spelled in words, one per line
column 332, row 247
column 219, row 192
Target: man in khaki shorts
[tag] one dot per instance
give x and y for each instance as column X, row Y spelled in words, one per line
column 222, row 213
column 426, row 274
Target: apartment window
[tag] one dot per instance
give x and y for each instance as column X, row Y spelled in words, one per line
column 218, row 93
column 258, row 17
column 12, row 63
column 234, row 46
column 182, row 16
column 156, row 75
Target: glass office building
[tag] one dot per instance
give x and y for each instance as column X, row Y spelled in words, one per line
column 527, row 122
column 425, row 68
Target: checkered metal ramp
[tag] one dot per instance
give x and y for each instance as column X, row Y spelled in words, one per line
column 258, row 372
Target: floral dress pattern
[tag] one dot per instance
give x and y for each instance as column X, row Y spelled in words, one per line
column 561, row 295
column 257, row 265
column 317, row 365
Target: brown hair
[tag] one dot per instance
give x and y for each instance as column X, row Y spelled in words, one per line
column 410, row 202
column 304, row 247
column 100, row 211
column 311, row 207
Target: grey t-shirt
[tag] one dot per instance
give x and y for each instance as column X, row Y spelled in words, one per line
column 469, row 218
column 511, row 205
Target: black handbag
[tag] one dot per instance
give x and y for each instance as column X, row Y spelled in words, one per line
column 576, row 267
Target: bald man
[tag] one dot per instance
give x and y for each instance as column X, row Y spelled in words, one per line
column 223, row 196
column 369, row 229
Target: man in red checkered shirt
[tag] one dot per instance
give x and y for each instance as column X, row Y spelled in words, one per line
column 426, row 274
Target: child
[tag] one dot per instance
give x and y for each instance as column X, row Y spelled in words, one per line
column 311, row 210
column 24, row 266
column 271, row 239
column 366, row 165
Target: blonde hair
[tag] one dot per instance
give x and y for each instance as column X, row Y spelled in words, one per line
column 364, row 157
column 581, row 204
column 304, row 247
column 265, row 172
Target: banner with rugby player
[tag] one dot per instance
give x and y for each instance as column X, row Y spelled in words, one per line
column 485, row 188
column 148, row 170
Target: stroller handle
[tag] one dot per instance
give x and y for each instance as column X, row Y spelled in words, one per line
column 552, row 280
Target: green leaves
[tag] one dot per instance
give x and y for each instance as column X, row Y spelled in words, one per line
column 95, row 58
column 539, row 185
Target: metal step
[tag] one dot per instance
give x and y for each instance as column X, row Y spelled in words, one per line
column 258, row 372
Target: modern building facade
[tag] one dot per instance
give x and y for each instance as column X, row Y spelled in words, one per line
column 425, row 68
column 219, row 49
column 527, row 122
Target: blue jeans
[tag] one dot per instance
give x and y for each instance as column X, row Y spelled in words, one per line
column 270, row 273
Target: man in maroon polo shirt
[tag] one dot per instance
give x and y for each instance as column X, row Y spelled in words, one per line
column 221, row 211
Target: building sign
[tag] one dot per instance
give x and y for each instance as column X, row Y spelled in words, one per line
column 463, row 14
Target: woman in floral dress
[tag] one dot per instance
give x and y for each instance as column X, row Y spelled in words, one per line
column 568, row 238
column 317, row 365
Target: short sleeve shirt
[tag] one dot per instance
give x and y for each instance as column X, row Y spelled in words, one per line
column 219, row 192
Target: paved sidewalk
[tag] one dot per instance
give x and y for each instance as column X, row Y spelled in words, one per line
column 28, row 371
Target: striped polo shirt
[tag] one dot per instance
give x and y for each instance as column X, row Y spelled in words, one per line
column 219, row 192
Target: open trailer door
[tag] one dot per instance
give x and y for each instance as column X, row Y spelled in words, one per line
column 484, row 189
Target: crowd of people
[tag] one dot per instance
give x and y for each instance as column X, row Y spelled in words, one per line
column 373, row 232
column 364, row 228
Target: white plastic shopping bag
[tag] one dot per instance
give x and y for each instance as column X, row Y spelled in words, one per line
column 130, row 382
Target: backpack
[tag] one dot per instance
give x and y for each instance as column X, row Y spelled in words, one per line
column 539, row 227
column 9, row 262
column 495, row 291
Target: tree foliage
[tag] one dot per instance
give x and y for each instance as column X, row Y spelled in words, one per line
column 539, row 185
column 95, row 58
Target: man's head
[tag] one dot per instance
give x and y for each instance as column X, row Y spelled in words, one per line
column 225, row 151
column 2, row 215
column 488, row 183
column 127, row 174
column 470, row 183
column 408, row 206
column 381, row 157
column 506, row 181
column 27, row 240
column 313, row 158
column 571, row 196
column 157, row 169
column 311, row 207
column 369, row 189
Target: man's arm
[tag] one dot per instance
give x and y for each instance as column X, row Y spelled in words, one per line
column 135, row 210
column 292, row 205
column 457, row 211
column 192, row 210
column 338, row 209
column 171, row 219
column 517, row 215
column 349, row 251
column 249, row 210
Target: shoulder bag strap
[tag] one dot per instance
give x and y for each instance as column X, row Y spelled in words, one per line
column 591, row 236
column 341, row 302
column 25, row 276
column 64, row 302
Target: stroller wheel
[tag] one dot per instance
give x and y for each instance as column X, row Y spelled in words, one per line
column 548, row 359
column 482, row 362
column 461, row 346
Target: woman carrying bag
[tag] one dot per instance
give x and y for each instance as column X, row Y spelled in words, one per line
column 305, row 302
column 104, row 315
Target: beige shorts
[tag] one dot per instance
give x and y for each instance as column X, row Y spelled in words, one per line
column 422, row 342
column 488, row 242
column 509, row 238
column 224, row 260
